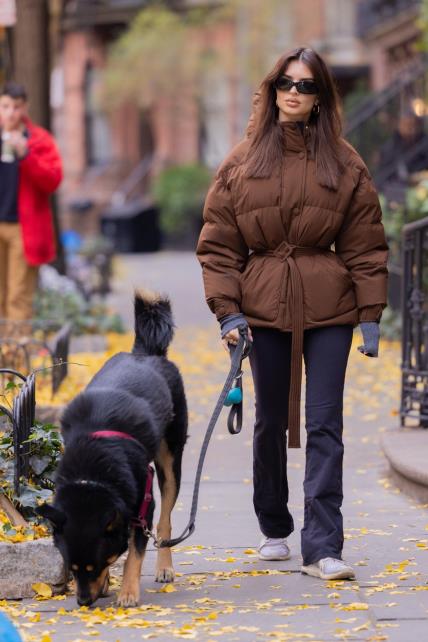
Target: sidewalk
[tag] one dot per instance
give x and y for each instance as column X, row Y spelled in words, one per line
column 223, row 592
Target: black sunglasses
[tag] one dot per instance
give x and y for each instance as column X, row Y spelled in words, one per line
column 303, row 86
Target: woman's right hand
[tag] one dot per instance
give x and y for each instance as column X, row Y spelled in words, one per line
column 232, row 338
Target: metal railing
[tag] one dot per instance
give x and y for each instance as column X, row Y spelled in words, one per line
column 373, row 122
column 140, row 172
column 414, row 367
column 22, row 418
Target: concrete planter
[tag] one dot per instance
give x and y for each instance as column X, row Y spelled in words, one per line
column 26, row 563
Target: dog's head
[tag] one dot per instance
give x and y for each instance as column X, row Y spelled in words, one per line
column 90, row 529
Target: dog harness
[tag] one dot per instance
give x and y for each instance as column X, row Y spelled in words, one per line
column 141, row 519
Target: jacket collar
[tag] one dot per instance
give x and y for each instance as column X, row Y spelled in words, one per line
column 295, row 139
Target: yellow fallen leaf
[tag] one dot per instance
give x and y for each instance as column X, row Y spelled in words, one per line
column 35, row 617
column 42, row 590
column 168, row 588
column 362, row 627
column 353, row 606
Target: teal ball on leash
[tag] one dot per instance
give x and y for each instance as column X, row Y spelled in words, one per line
column 8, row 633
column 233, row 396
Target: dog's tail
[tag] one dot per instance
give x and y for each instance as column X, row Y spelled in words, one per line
column 154, row 325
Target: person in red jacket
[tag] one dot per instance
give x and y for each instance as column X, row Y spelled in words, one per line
column 30, row 170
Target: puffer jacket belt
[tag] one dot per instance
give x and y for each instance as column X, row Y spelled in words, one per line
column 287, row 252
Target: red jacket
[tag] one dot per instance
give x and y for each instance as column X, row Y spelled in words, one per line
column 40, row 173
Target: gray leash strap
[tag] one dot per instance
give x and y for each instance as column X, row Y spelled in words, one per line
column 239, row 353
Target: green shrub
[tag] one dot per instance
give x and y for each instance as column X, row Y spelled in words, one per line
column 391, row 324
column 395, row 215
column 45, row 445
column 180, row 191
column 86, row 316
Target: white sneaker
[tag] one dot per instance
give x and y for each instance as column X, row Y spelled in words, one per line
column 330, row 568
column 274, row 548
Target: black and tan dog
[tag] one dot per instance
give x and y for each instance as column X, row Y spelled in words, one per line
column 131, row 413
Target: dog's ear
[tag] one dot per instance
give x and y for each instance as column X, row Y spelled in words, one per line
column 54, row 515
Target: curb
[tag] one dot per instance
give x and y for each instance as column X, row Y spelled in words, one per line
column 405, row 450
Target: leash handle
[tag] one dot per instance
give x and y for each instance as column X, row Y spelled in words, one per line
column 234, row 420
column 241, row 349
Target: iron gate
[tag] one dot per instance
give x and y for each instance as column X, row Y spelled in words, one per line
column 414, row 383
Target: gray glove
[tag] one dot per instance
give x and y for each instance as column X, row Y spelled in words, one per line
column 231, row 322
column 371, row 335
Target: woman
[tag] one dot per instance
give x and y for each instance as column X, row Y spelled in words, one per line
column 279, row 202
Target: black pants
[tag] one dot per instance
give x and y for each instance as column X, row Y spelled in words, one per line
column 326, row 353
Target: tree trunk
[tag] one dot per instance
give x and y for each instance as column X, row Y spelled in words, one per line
column 32, row 69
column 31, row 45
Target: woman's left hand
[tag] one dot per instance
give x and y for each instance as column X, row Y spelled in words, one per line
column 371, row 336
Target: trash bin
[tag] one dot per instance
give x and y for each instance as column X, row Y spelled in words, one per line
column 132, row 227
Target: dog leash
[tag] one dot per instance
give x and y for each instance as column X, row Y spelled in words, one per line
column 238, row 354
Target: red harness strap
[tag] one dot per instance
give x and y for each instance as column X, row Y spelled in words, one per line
column 112, row 433
column 141, row 519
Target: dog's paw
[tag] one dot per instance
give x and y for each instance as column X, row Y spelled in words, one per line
column 165, row 575
column 127, row 598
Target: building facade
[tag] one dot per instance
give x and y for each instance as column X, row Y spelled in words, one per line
column 365, row 42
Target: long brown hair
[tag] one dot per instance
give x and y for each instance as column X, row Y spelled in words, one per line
column 267, row 136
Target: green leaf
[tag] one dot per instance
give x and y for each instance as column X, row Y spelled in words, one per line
column 39, row 464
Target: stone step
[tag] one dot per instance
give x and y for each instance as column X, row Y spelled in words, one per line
column 406, row 452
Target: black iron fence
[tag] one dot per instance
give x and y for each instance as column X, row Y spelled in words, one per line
column 414, row 388
column 22, row 418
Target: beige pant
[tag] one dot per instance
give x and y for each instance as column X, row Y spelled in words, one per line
column 18, row 279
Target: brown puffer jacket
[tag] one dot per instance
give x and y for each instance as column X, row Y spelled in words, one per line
column 266, row 248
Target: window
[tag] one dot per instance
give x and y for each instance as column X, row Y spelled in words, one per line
column 97, row 129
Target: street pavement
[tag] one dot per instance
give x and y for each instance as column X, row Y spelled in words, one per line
column 222, row 590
